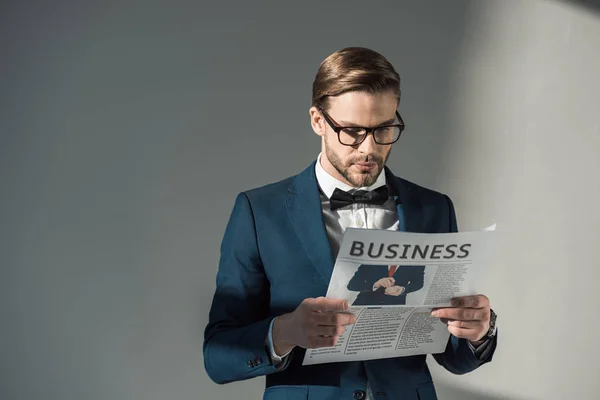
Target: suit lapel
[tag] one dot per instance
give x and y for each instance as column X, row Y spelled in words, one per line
column 410, row 213
column 304, row 209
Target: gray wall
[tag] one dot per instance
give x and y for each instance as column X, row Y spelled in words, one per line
column 127, row 128
column 525, row 152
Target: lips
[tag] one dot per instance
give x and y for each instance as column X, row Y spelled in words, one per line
column 365, row 166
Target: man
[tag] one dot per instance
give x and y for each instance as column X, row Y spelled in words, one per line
column 385, row 284
column 281, row 240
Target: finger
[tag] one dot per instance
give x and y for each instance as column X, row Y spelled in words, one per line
column 462, row 314
column 477, row 301
column 315, row 342
column 333, row 319
column 325, row 304
column 477, row 325
column 323, row 330
column 469, row 334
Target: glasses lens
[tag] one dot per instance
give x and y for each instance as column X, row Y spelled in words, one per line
column 387, row 135
column 352, row 136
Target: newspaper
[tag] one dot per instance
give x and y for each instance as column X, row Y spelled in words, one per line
column 392, row 280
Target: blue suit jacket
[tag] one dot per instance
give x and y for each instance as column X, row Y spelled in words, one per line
column 274, row 254
column 410, row 277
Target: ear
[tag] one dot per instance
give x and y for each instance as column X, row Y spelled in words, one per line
column 317, row 121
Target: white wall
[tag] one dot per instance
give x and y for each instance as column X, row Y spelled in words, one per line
column 524, row 151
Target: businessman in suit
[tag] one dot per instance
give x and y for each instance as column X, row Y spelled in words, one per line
column 279, row 246
column 385, row 284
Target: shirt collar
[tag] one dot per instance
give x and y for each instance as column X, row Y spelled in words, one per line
column 328, row 183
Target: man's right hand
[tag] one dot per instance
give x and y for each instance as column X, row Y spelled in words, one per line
column 384, row 282
column 314, row 323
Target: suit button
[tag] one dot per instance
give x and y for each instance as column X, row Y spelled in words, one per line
column 359, row 394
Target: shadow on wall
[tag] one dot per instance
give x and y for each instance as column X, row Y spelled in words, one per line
column 592, row 5
column 448, row 392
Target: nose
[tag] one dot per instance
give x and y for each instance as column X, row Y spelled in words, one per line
column 368, row 146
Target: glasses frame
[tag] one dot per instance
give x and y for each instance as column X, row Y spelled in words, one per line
column 337, row 129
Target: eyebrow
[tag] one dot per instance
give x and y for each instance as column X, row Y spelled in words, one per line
column 351, row 124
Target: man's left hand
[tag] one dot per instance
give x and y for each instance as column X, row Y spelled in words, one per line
column 468, row 318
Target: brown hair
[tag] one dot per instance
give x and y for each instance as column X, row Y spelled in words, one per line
column 353, row 69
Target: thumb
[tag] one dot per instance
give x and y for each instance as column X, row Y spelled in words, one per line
column 338, row 305
column 325, row 304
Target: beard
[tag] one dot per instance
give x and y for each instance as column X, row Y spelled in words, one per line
column 359, row 179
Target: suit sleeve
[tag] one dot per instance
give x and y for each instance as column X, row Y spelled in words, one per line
column 362, row 280
column 234, row 339
column 413, row 278
column 460, row 357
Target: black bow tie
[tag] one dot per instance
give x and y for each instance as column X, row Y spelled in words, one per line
column 340, row 198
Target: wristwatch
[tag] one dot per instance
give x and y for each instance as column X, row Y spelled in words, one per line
column 492, row 331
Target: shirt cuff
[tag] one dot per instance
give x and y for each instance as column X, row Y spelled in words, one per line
column 480, row 352
column 277, row 360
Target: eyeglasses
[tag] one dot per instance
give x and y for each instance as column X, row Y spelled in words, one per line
column 355, row 135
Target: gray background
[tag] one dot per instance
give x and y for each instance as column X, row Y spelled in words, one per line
column 127, row 128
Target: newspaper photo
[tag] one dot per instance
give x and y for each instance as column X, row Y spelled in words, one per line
column 392, row 280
